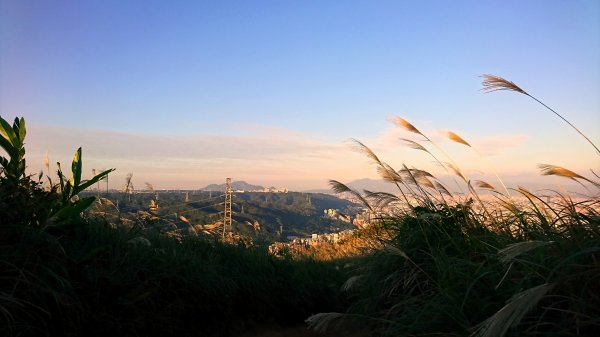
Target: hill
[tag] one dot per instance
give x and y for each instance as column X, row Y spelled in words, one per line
column 236, row 185
column 278, row 215
column 294, row 213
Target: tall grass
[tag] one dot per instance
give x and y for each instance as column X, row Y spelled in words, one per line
column 95, row 280
column 456, row 266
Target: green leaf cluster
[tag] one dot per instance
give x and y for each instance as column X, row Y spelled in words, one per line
column 12, row 141
column 25, row 201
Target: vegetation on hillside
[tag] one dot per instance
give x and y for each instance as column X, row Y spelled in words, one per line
column 265, row 217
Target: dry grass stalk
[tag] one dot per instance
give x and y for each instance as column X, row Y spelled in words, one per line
column 362, row 148
column 416, row 181
column 385, row 170
column 408, row 126
column 417, row 146
column 339, row 188
column 453, row 136
column 457, row 171
column 389, row 175
column 381, row 199
column 553, row 170
column 351, row 282
column 415, row 172
column 47, row 162
column 403, row 123
column 527, row 193
column 493, row 83
column 414, row 145
column 322, row 321
column 508, row 253
column 512, row 313
column 418, row 177
column 442, row 189
column 423, row 180
column 485, row 185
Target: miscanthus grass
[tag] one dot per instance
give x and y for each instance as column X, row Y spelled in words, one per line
column 525, row 264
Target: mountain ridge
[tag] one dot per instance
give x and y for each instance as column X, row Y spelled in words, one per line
column 236, row 185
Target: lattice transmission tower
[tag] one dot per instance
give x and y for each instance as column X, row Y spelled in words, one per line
column 227, row 212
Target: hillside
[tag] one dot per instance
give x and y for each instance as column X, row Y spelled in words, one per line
column 298, row 214
column 279, row 215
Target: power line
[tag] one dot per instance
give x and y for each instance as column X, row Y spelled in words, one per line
column 124, row 209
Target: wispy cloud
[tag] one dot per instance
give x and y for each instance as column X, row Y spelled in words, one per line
column 262, row 154
column 499, row 144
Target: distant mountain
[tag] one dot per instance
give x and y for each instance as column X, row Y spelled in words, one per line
column 236, row 185
column 373, row 185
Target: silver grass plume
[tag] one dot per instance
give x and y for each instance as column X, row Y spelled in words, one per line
column 511, row 314
column 509, row 252
column 339, row 188
column 554, row 170
column 493, row 83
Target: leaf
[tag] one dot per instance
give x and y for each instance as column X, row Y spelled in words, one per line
column 7, row 146
column 73, row 210
column 9, row 133
column 76, row 169
column 22, row 130
column 61, row 177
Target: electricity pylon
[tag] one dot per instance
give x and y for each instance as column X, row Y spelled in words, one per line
column 227, row 212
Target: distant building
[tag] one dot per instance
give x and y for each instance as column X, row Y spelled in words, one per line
column 273, row 189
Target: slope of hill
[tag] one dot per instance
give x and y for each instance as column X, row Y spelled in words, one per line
column 294, row 213
column 278, row 215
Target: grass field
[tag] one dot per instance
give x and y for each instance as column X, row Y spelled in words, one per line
column 434, row 263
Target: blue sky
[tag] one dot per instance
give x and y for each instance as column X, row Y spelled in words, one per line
column 278, row 81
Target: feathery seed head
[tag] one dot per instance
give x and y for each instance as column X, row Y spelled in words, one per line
column 483, row 184
column 553, row 170
column 442, row 189
column 46, row 161
column 493, row 83
column 403, row 123
column 453, row 136
column 414, row 145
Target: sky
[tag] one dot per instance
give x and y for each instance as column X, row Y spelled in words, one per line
column 187, row 93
